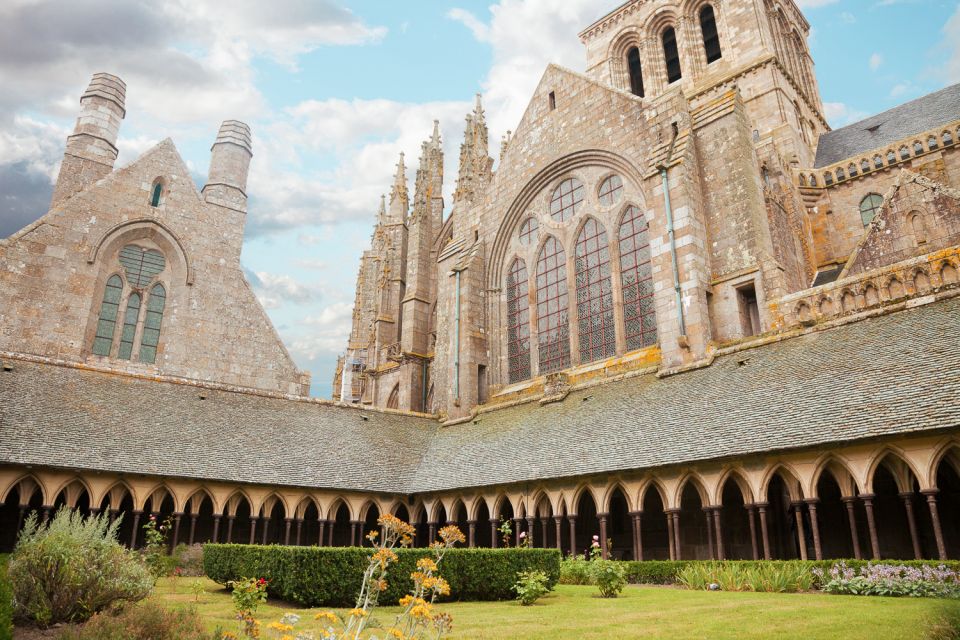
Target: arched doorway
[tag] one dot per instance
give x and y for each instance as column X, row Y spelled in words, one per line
column 654, row 531
column 619, row 527
column 483, row 537
column 781, row 524
column 25, row 497
column 836, row 540
column 340, row 527
column 735, row 535
column 308, row 531
column 901, row 517
column 546, row 531
column 369, row 524
column 458, row 517
column 239, row 521
column 587, row 523
column 200, row 519
column 696, row 526
column 504, row 515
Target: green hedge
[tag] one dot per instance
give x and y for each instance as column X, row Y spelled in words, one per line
column 6, row 601
column 665, row 571
column 328, row 576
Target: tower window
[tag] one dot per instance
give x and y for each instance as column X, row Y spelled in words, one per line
column 553, row 100
column 749, row 310
column 711, row 40
column 155, row 194
column 636, row 73
column 671, row 55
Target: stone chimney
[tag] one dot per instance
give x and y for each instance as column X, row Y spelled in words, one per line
column 92, row 148
column 229, row 164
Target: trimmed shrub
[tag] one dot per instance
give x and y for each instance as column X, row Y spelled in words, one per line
column 653, row 571
column 575, row 571
column 327, row 576
column 72, row 568
column 6, row 602
column 146, row 621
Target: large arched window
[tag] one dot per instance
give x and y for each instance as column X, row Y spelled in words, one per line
column 870, row 207
column 518, row 322
column 671, row 55
column 636, row 72
column 528, row 231
column 711, row 39
column 566, row 199
column 130, row 319
column 107, row 322
column 151, row 324
column 553, row 330
column 594, row 296
column 639, row 318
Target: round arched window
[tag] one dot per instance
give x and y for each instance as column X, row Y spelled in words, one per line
column 528, row 231
column 566, row 200
column 611, row 190
column 870, row 207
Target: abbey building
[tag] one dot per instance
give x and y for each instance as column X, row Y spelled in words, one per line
column 678, row 312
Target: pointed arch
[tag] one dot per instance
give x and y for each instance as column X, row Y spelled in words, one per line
column 948, row 451
column 610, row 490
column 735, row 475
column 700, row 486
column 16, row 484
column 838, row 468
column 896, row 455
column 789, row 476
column 231, row 503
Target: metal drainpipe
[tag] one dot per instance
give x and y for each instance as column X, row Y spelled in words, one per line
column 423, row 384
column 456, row 360
column 671, row 234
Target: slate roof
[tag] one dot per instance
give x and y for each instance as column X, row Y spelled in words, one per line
column 900, row 122
column 894, row 374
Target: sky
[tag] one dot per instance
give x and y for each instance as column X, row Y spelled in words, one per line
column 334, row 90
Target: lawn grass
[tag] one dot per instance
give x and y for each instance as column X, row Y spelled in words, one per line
column 640, row 612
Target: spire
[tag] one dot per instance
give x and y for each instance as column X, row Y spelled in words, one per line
column 475, row 161
column 382, row 213
column 435, row 138
column 399, row 198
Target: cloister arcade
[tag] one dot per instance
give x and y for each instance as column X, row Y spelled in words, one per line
column 882, row 500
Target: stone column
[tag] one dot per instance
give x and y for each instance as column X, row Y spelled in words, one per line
column 216, row 529
column 230, row 520
column 543, row 532
column 764, row 532
column 852, row 519
column 753, row 530
column 530, row 530
column 639, row 535
column 472, row 533
column 572, row 521
column 321, row 526
column 558, row 522
column 907, row 497
column 516, row 531
column 136, row 529
column 299, row 522
column 494, row 533
column 431, row 532
column 253, row 529
column 676, row 533
column 193, row 527
column 871, row 524
column 708, row 513
column 801, row 534
column 176, row 529
column 815, row 527
column 45, row 514
column 266, row 530
column 604, row 552
column 353, row 532
column 633, row 531
column 931, row 495
column 286, row 531
column 716, row 527
column 333, row 524
column 670, row 537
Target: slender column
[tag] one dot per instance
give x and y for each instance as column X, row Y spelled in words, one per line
column 801, row 533
column 230, row 520
column 871, row 524
column 472, row 533
column 23, row 513
column 852, row 519
column 216, row 529
column 604, row 552
column 353, row 532
column 716, row 527
column 266, row 529
column 321, row 525
column 45, row 514
column 633, row 531
column 286, row 531
column 299, row 522
column 907, row 497
column 815, row 527
column 764, row 532
column 516, row 531
column 193, row 527
column 676, row 533
column 708, row 512
column 572, row 521
column 543, row 531
column 935, row 520
column 530, row 529
column 670, row 538
column 753, row 530
column 253, row 528
column 176, row 529
column 136, row 529
column 494, row 533
column 558, row 522
column 333, row 525
column 639, row 535
column 431, row 532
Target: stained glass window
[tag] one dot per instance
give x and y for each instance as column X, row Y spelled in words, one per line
column 611, row 190
column 639, row 317
column 129, row 326
column 566, row 200
column 518, row 322
column 141, row 265
column 151, row 324
column 528, row 231
column 594, row 296
column 107, row 324
column 553, row 331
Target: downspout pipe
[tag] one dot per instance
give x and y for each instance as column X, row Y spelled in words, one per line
column 671, row 233
column 456, row 359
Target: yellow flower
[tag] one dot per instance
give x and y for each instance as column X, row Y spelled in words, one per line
column 358, row 613
column 279, row 626
column 422, row 612
column 426, row 564
column 393, row 632
column 326, row 615
column 228, row 636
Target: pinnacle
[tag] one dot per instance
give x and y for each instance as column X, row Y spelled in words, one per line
column 435, row 138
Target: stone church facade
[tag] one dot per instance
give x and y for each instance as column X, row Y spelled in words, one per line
column 680, row 313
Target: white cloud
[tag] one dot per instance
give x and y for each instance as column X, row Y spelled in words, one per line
column 275, row 290
column 839, row 114
column 875, row 61
column 951, row 32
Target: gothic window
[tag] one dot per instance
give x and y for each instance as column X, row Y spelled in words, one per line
column 877, row 162
column 636, row 72
column 611, row 190
column 947, row 139
column 869, row 207
column 393, row 402
column 639, row 318
column 130, row 319
column 891, row 157
column 528, row 231
column 917, row 148
column 553, row 331
column 864, row 165
column 711, row 39
column 156, row 193
column 566, row 199
column 141, row 265
column 671, row 55
column 107, row 323
column 151, row 324
column 594, row 295
column 518, row 322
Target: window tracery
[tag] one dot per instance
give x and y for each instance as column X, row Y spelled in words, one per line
column 518, row 322
column 566, row 200
column 594, row 295
column 636, row 276
column 553, row 332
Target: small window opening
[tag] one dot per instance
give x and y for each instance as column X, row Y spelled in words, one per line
column 636, row 73
column 711, row 40
column 749, row 310
column 671, row 55
column 155, row 196
column 476, row 235
column 553, row 101
column 917, row 148
column 481, row 384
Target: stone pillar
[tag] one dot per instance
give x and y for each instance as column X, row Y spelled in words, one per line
column 634, row 528
column 708, row 513
column 543, row 531
column 670, row 538
column 432, row 532
column 286, row 531
column 716, row 527
column 299, row 522
column 753, row 530
column 558, row 521
column 112, row 516
column 516, row 531
column 530, row 530
column 801, row 534
column 230, row 520
column 815, row 527
column 676, row 533
column 472, row 533
column 45, row 514
column 216, row 529
column 321, row 525
column 353, row 532
column 136, row 529
column 852, row 519
column 572, row 521
column 193, row 527
column 176, row 529
column 253, row 529
column 266, row 529
column 604, row 552
column 907, row 497
column 494, row 533
column 333, row 525
column 931, row 495
column 764, row 532
column 871, row 524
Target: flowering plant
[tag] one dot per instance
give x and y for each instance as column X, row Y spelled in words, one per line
column 890, row 580
column 505, row 532
column 155, row 535
column 522, row 540
column 595, row 550
column 248, row 595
